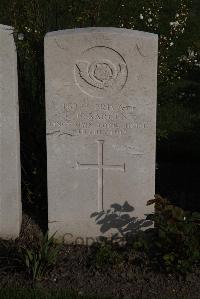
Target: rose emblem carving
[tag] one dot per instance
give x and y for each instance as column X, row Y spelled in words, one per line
column 101, row 72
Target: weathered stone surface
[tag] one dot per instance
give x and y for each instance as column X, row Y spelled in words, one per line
column 101, row 128
column 10, row 173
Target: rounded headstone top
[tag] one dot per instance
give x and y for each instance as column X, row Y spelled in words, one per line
column 131, row 32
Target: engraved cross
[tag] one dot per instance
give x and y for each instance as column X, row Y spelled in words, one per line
column 100, row 166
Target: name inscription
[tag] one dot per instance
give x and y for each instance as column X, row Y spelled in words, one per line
column 97, row 119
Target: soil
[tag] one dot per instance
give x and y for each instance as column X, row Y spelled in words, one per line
column 76, row 269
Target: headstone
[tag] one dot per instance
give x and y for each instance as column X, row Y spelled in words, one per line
column 10, row 188
column 101, row 130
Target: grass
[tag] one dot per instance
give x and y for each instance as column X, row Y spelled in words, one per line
column 41, row 294
column 50, row 294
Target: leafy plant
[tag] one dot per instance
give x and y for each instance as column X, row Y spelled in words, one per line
column 39, row 260
column 176, row 243
column 106, row 255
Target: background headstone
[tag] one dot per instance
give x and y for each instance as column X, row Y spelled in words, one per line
column 101, row 130
column 10, row 173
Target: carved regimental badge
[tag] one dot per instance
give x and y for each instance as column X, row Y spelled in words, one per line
column 101, row 71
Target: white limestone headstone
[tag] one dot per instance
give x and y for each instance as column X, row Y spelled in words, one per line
column 10, row 173
column 101, row 130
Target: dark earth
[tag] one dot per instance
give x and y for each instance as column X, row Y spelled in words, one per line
column 76, row 269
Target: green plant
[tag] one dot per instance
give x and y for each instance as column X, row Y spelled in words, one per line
column 106, row 255
column 39, row 260
column 176, row 243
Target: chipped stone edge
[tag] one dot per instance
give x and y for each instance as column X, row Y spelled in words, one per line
column 6, row 27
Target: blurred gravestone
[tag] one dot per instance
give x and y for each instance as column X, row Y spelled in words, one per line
column 101, row 129
column 10, row 178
